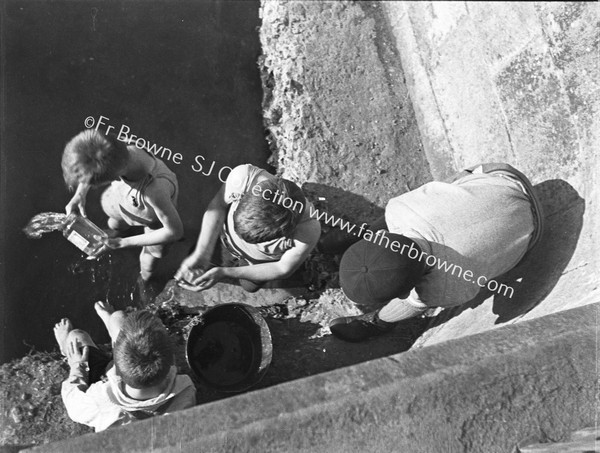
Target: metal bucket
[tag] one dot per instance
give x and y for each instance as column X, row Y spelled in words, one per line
column 230, row 348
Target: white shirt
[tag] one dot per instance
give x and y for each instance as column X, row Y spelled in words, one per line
column 105, row 404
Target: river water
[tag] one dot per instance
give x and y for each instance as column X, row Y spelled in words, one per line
column 182, row 76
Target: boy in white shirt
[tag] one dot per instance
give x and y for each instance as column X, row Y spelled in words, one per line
column 141, row 382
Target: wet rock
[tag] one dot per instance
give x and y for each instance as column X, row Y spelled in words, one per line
column 16, row 414
column 330, row 305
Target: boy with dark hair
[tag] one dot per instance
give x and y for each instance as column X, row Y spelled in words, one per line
column 142, row 192
column 142, row 352
column 265, row 231
column 256, row 221
column 143, row 381
column 438, row 246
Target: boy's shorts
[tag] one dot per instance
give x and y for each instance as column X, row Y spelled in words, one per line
column 98, row 362
column 222, row 256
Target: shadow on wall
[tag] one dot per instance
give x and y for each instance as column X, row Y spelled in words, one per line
column 342, row 203
column 538, row 273
column 535, row 277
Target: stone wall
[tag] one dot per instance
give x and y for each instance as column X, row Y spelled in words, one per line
column 514, row 82
column 488, row 393
column 336, row 108
column 366, row 100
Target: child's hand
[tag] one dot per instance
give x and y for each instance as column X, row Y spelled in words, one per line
column 190, row 268
column 109, row 243
column 208, row 278
column 185, row 276
column 205, row 280
column 77, row 204
column 77, row 354
column 112, row 243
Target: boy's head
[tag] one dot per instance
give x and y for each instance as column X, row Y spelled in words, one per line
column 376, row 273
column 142, row 351
column 270, row 211
column 94, row 158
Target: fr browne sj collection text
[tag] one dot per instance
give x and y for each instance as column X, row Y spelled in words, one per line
column 200, row 165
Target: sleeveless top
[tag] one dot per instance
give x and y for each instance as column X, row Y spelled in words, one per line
column 132, row 201
column 241, row 179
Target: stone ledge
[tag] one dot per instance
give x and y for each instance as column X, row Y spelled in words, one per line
column 485, row 392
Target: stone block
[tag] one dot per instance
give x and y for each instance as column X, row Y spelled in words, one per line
column 541, row 129
column 486, row 393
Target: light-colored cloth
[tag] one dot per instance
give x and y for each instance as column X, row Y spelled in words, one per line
column 242, row 179
column 104, row 404
column 480, row 223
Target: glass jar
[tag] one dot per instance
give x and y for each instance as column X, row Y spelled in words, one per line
column 84, row 234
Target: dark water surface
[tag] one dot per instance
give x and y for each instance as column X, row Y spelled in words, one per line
column 181, row 75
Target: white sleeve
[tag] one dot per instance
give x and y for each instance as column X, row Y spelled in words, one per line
column 81, row 407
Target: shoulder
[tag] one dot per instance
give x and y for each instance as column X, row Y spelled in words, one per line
column 132, row 147
column 159, row 189
column 99, row 392
column 184, row 391
column 238, row 174
column 246, row 171
column 240, row 179
column 183, row 383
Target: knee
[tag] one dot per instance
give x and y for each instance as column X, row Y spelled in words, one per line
column 250, row 286
column 115, row 321
column 76, row 333
column 81, row 335
column 116, row 224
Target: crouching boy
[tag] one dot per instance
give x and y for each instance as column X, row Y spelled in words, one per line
column 256, row 229
column 139, row 382
column 142, row 192
column 480, row 225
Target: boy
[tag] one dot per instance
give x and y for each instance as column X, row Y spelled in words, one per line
column 265, row 230
column 142, row 192
column 438, row 247
column 142, row 382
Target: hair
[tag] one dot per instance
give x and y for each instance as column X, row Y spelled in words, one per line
column 259, row 219
column 142, row 351
column 94, row 158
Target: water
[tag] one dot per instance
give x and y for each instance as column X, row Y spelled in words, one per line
column 224, row 353
column 44, row 222
column 181, row 75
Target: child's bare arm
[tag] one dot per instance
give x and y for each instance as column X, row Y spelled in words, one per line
column 78, row 199
column 212, row 222
column 289, row 262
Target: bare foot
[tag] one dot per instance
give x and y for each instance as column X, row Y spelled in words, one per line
column 104, row 310
column 61, row 332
